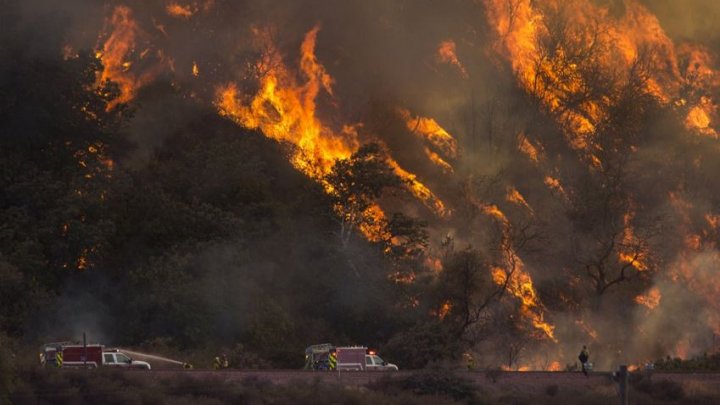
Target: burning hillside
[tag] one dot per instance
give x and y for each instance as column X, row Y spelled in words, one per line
column 536, row 172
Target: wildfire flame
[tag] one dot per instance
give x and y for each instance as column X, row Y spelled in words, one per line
column 514, row 196
column 631, row 252
column 177, row 10
column 595, row 38
column 446, row 54
column 554, row 185
column 695, row 259
column 587, row 329
column 444, row 310
column 520, row 284
column 195, row 70
column 434, row 135
column 116, row 54
column 651, row 299
column 180, row 11
column 528, row 149
column 284, row 109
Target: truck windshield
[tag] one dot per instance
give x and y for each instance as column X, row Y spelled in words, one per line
column 377, row 360
column 121, row 358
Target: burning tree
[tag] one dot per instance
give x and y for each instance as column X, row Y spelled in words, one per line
column 355, row 185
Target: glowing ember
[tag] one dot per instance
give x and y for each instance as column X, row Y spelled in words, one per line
column 195, row 70
column 434, row 264
column 180, row 11
column 444, row 310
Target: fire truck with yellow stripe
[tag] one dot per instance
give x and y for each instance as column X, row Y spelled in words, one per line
column 327, row 357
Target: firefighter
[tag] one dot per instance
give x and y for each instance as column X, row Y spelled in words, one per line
column 220, row 362
column 584, row 357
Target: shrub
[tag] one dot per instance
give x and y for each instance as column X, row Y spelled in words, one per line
column 552, row 390
column 663, row 390
column 435, row 383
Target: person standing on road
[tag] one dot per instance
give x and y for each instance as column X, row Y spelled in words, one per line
column 584, row 357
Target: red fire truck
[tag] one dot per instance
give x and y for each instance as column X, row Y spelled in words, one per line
column 351, row 358
column 73, row 355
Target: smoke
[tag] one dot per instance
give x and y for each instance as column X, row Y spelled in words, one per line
column 79, row 310
column 694, row 21
column 382, row 56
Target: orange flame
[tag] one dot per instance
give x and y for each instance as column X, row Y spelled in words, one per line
column 420, row 191
column 594, row 38
column 651, row 299
column 554, row 185
column 514, row 196
column 698, row 118
column 695, row 260
column 177, row 10
column 446, row 54
column 630, row 252
column 116, row 54
column 587, row 329
column 82, row 261
column 527, row 148
column 444, row 310
column 285, row 110
column 430, row 131
column 374, row 225
column 180, row 11
column 195, row 70
column 520, row 284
